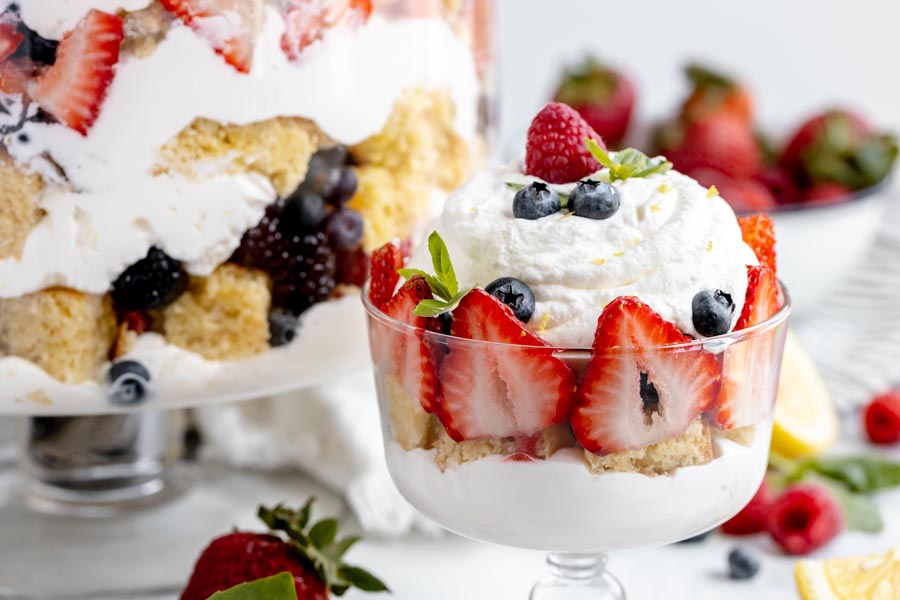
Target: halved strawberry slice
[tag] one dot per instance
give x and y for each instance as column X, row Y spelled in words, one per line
column 383, row 277
column 10, row 39
column 406, row 355
column 229, row 26
column 635, row 393
column 73, row 89
column 516, row 387
column 306, row 21
column 763, row 299
column 758, row 232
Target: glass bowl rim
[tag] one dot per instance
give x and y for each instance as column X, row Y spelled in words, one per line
column 706, row 343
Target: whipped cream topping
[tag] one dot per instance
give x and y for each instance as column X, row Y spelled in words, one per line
column 112, row 207
column 670, row 239
column 567, row 508
column 53, row 19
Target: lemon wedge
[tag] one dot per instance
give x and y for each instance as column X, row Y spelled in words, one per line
column 870, row 577
column 806, row 423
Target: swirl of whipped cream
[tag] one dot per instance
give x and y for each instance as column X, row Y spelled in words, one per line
column 670, row 239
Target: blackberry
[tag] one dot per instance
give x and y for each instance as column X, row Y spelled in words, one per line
column 260, row 244
column 304, row 272
column 352, row 267
column 151, row 283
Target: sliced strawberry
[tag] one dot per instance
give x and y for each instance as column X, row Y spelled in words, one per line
column 747, row 394
column 73, row 89
column 635, row 393
column 405, row 354
column 15, row 73
column 306, row 21
column 516, row 387
column 10, row 39
column 229, row 26
column 383, row 273
column 763, row 299
column 758, row 232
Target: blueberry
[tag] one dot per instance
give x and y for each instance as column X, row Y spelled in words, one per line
column 323, row 182
column 711, row 312
column 594, row 200
column 515, row 294
column 344, row 228
column 128, row 381
column 345, row 187
column 323, row 172
column 303, row 210
column 700, row 537
column 535, row 201
column 282, row 328
column 742, row 564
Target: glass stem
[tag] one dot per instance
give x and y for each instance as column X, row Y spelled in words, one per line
column 576, row 567
column 577, row 577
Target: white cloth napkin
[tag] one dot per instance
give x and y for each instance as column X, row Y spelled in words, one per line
column 331, row 432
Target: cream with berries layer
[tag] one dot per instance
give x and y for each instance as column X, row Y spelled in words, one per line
column 112, row 208
column 670, row 239
column 567, row 508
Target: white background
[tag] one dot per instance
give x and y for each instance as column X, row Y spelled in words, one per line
column 796, row 55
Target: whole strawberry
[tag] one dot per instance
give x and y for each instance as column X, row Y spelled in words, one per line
column 555, row 150
column 721, row 142
column 603, row 96
column 715, row 94
column 312, row 556
column 743, row 195
column 839, row 146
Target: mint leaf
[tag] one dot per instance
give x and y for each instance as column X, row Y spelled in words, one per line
column 860, row 512
column 431, row 308
column 277, row 587
column 598, row 153
column 863, row 474
column 437, row 287
column 628, row 163
column 443, row 268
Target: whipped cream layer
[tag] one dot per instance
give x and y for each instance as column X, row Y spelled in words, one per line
column 670, row 239
column 111, row 208
column 52, row 19
column 559, row 505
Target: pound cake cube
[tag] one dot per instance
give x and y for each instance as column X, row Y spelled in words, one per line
column 692, row 448
column 221, row 317
column 66, row 333
column 278, row 148
column 411, row 426
column 450, row 453
column 739, row 435
column 19, row 211
column 390, row 204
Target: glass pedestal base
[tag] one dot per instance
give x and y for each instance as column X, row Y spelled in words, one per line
column 577, row 577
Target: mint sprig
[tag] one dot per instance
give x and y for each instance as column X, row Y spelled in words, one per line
column 444, row 285
column 276, row 587
column 628, row 163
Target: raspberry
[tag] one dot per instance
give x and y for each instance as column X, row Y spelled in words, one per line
column 882, row 418
column 385, row 262
column 555, row 150
column 804, row 519
column 151, row 283
column 752, row 518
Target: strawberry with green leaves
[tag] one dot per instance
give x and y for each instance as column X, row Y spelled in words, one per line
column 603, row 96
column 714, row 93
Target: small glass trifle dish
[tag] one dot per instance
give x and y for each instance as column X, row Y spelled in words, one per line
column 610, row 385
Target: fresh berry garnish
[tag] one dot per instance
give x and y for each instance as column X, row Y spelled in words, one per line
column 779, row 182
column 711, row 312
column 313, row 555
column 594, row 200
column 302, row 271
column 555, row 150
column 151, row 283
column 742, row 564
column 602, row 96
column 345, row 187
column 882, row 418
column 635, row 392
column 282, row 327
column 719, row 142
column 386, row 261
column 303, row 210
column 514, row 293
column 514, row 387
column 827, row 192
column 743, row 195
column 229, row 26
column 306, row 21
column 535, row 201
column 73, row 89
column 763, row 299
column 344, row 227
column 752, row 518
column 758, row 232
column 714, row 93
column 804, row 518
column 405, row 354
column 352, row 267
column 128, row 381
